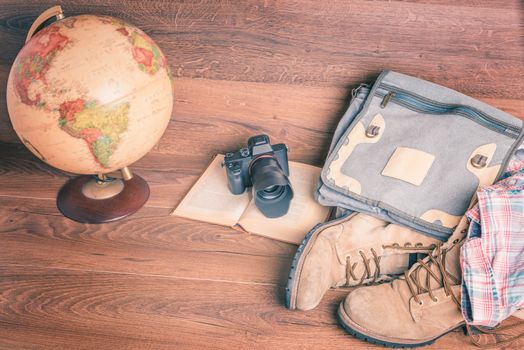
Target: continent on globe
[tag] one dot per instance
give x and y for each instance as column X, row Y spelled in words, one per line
column 34, row 61
column 99, row 126
column 145, row 51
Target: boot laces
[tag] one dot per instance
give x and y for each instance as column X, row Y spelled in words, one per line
column 442, row 276
column 350, row 267
column 500, row 335
column 446, row 280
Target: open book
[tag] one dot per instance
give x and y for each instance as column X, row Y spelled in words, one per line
column 211, row 201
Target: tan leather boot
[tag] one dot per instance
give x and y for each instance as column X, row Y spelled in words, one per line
column 353, row 250
column 414, row 310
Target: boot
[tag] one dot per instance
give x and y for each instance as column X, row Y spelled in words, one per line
column 353, row 250
column 415, row 309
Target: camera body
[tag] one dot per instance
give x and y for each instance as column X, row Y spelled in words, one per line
column 238, row 164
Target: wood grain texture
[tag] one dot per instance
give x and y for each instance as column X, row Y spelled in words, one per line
column 285, row 68
column 149, row 243
column 135, row 312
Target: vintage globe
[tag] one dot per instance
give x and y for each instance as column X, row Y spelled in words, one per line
column 90, row 94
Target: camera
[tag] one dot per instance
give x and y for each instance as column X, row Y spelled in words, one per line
column 265, row 168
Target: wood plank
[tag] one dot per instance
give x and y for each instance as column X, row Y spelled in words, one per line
column 7, row 134
column 477, row 52
column 150, row 242
column 496, row 4
column 48, row 308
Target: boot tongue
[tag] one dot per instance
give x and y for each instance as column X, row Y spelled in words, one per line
column 394, row 264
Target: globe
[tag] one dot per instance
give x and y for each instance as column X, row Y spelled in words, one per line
column 91, row 95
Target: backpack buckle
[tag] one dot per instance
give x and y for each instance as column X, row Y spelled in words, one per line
column 479, row 161
column 372, row 131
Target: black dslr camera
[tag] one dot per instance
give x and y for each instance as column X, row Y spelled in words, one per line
column 265, row 167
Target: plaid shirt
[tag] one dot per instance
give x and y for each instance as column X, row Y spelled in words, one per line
column 492, row 257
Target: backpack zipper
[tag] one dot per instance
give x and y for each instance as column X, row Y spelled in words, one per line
column 422, row 104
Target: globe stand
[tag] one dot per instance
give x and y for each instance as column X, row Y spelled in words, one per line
column 102, row 198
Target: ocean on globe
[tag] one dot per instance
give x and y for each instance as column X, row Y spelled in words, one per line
column 90, row 94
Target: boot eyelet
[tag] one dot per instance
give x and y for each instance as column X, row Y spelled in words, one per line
column 421, row 303
column 435, row 300
column 418, row 245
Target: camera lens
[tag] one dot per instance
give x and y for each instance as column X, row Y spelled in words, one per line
column 273, row 192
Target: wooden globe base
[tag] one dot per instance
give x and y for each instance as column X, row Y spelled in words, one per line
column 74, row 204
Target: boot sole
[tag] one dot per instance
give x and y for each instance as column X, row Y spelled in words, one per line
column 358, row 332
column 301, row 253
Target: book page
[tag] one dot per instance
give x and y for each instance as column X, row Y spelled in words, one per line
column 210, row 200
column 303, row 214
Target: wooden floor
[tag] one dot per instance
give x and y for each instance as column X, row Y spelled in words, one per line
column 284, row 68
